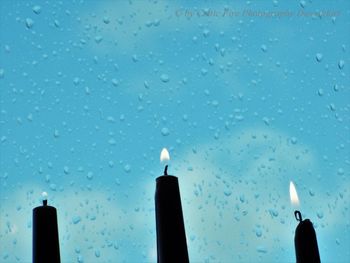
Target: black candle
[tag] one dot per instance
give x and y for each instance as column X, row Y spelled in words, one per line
column 45, row 235
column 306, row 249
column 171, row 237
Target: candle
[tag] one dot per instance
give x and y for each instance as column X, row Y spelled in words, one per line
column 305, row 241
column 171, row 237
column 45, row 234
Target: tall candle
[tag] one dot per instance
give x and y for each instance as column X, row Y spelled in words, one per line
column 171, row 236
column 305, row 241
column 45, row 234
column 306, row 248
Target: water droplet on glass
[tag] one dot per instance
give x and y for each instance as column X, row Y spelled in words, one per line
column 258, row 232
column 115, row 82
column 106, row 20
column 56, row 133
column 340, row 171
column 90, row 175
column 261, row 249
column 76, row 219
column 29, row 23
column 165, row 78
column 227, row 192
column 263, row 48
column 319, row 57
column 341, row 64
column 294, row 140
column 37, row 9
column 127, row 168
column 57, row 23
column 320, row 214
column 165, row 131
column 98, row 39
column 320, row 92
column 53, row 187
column 76, row 81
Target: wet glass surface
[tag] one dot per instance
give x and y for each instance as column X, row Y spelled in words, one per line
column 246, row 96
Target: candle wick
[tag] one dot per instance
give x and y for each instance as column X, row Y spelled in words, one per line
column 166, row 170
column 45, row 202
column 297, row 215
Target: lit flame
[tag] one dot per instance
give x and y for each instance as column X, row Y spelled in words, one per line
column 293, row 194
column 44, row 195
column 164, row 155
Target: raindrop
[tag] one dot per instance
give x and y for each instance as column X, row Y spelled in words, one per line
column 127, row 168
column 206, row 32
column 66, row 170
column 335, row 87
column 258, row 232
column 76, row 220
column 53, row 187
column 320, row 215
column 115, row 82
column 165, row 131
column 106, row 20
column 302, row 4
column 90, row 175
column 340, row 171
column 266, row 121
column 37, row 9
column 97, row 253
column 341, row 64
column 242, row 198
column 98, row 39
column 227, row 192
column 294, row 140
column 2, row 73
column 320, row 92
column 261, row 249
column 165, row 78
column 311, row 192
column 112, row 141
column 263, row 48
column 319, row 57
column 57, row 23
column 56, row 134
column 29, row 23
column 76, row 81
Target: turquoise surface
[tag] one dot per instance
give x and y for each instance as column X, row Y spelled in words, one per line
column 246, row 96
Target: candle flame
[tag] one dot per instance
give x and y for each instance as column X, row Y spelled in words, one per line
column 293, row 194
column 164, row 155
column 44, row 195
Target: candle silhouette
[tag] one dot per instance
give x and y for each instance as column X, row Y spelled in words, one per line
column 171, row 236
column 305, row 241
column 45, row 234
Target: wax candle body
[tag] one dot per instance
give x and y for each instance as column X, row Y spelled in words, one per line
column 45, row 235
column 306, row 248
column 171, row 237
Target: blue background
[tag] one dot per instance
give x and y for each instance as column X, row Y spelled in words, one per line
column 246, row 102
